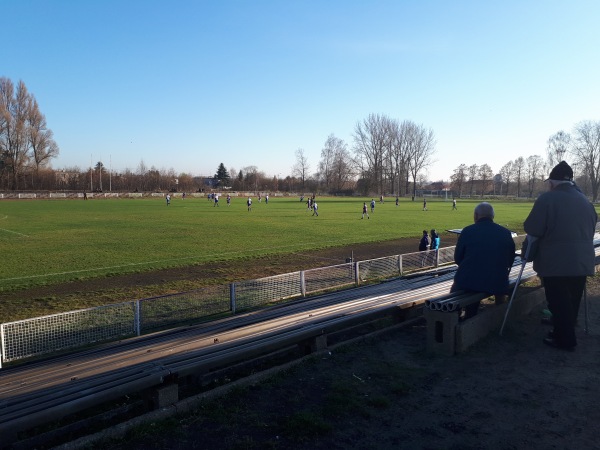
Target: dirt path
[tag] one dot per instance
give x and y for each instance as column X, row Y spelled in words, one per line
column 64, row 297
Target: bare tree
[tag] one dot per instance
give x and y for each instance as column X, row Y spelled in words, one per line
column 25, row 140
column 485, row 174
column 586, row 148
column 333, row 147
column 535, row 164
column 472, row 171
column 558, row 146
column 401, row 138
column 41, row 141
column 341, row 168
column 370, row 144
column 458, row 178
column 506, row 172
column 301, row 167
column 13, row 127
column 519, row 167
column 252, row 177
column 421, row 151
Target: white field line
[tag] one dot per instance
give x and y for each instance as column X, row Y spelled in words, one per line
column 97, row 269
column 14, row 232
column 10, row 231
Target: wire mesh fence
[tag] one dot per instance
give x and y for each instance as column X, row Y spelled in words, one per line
column 412, row 262
column 331, row 277
column 42, row 335
column 263, row 291
column 159, row 312
column 386, row 267
column 445, row 255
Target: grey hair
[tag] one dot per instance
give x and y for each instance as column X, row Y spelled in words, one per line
column 484, row 209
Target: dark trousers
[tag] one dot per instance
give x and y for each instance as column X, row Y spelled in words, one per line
column 563, row 295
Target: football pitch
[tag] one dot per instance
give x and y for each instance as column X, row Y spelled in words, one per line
column 51, row 241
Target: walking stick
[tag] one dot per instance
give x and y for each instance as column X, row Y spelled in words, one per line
column 523, row 263
column 585, row 309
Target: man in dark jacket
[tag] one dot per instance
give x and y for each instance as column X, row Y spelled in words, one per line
column 485, row 252
column 564, row 222
column 424, row 242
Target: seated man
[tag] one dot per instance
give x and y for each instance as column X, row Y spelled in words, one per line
column 485, row 252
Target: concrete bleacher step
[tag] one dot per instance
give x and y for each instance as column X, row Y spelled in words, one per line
column 447, row 335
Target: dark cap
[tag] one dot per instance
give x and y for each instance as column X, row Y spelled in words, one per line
column 561, row 172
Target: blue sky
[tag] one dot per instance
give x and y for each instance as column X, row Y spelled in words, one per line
column 190, row 84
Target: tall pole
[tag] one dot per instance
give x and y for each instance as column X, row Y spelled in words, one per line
column 110, row 173
column 91, row 173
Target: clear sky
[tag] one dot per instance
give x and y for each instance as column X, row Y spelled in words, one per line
column 190, row 84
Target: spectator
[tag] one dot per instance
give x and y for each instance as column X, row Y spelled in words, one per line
column 485, row 252
column 435, row 240
column 424, row 242
column 563, row 221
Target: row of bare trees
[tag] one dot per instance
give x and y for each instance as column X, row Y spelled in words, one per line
column 524, row 176
column 386, row 155
column 26, row 143
column 390, row 153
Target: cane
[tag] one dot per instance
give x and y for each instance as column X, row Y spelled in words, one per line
column 523, row 263
column 585, row 309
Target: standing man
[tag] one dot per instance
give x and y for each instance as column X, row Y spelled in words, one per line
column 485, row 252
column 454, row 203
column 424, row 242
column 249, row 203
column 365, row 211
column 563, row 221
column 372, row 206
column 315, row 209
column 424, row 204
column 168, row 199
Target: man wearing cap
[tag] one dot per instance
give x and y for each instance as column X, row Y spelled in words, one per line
column 564, row 221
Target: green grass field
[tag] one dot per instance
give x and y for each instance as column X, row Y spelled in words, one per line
column 50, row 241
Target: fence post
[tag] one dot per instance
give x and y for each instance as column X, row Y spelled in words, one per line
column 437, row 258
column 302, row 284
column 400, row 264
column 1, row 344
column 356, row 274
column 137, row 318
column 232, row 297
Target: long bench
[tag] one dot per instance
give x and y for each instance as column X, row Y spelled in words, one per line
column 39, row 393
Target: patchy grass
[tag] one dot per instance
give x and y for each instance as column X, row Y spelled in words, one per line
column 49, row 242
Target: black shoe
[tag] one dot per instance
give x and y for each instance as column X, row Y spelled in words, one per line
column 546, row 321
column 551, row 342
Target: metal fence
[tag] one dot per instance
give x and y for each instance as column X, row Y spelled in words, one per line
column 48, row 334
